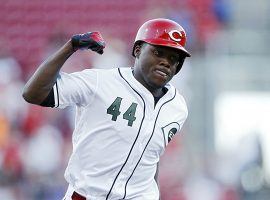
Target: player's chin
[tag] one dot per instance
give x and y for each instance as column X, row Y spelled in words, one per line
column 159, row 83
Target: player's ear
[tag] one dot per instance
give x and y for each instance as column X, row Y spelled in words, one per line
column 137, row 50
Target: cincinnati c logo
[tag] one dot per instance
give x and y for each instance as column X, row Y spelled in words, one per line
column 175, row 35
column 170, row 130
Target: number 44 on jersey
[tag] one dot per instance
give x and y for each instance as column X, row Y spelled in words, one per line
column 129, row 115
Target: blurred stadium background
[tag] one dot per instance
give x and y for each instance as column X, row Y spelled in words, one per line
column 223, row 151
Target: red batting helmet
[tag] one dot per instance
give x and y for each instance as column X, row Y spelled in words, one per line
column 163, row 32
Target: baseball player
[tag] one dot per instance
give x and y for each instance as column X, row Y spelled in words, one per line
column 125, row 117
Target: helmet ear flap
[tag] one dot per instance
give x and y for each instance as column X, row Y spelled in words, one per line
column 180, row 65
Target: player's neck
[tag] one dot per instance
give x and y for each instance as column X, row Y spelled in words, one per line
column 156, row 92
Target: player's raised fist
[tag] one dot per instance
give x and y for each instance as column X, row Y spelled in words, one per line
column 89, row 40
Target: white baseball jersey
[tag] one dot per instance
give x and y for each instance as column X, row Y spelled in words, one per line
column 119, row 133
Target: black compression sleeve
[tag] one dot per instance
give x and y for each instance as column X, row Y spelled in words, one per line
column 49, row 101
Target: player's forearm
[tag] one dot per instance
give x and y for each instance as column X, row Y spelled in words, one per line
column 39, row 85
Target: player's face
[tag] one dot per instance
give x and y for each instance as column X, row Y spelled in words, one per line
column 155, row 65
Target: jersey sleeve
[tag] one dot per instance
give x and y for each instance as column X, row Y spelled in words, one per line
column 77, row 88
column 184, row 113
column 182, row 110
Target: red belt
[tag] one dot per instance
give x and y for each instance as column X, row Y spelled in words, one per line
column 76, row 196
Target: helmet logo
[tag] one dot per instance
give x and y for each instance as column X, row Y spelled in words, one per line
column 175, row 35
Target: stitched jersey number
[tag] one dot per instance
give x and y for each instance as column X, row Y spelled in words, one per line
column 128, row 115
column 114, row 108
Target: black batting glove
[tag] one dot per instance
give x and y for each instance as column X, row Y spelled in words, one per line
column 89, row 40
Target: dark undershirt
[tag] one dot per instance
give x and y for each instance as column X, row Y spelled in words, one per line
column 49, row 101
column 164, row 91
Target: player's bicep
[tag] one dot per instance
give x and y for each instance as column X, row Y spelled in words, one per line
column 75, row 89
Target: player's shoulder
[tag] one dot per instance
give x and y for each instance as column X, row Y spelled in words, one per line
column 90, row 73
column 100, row 71
column 114, row 73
